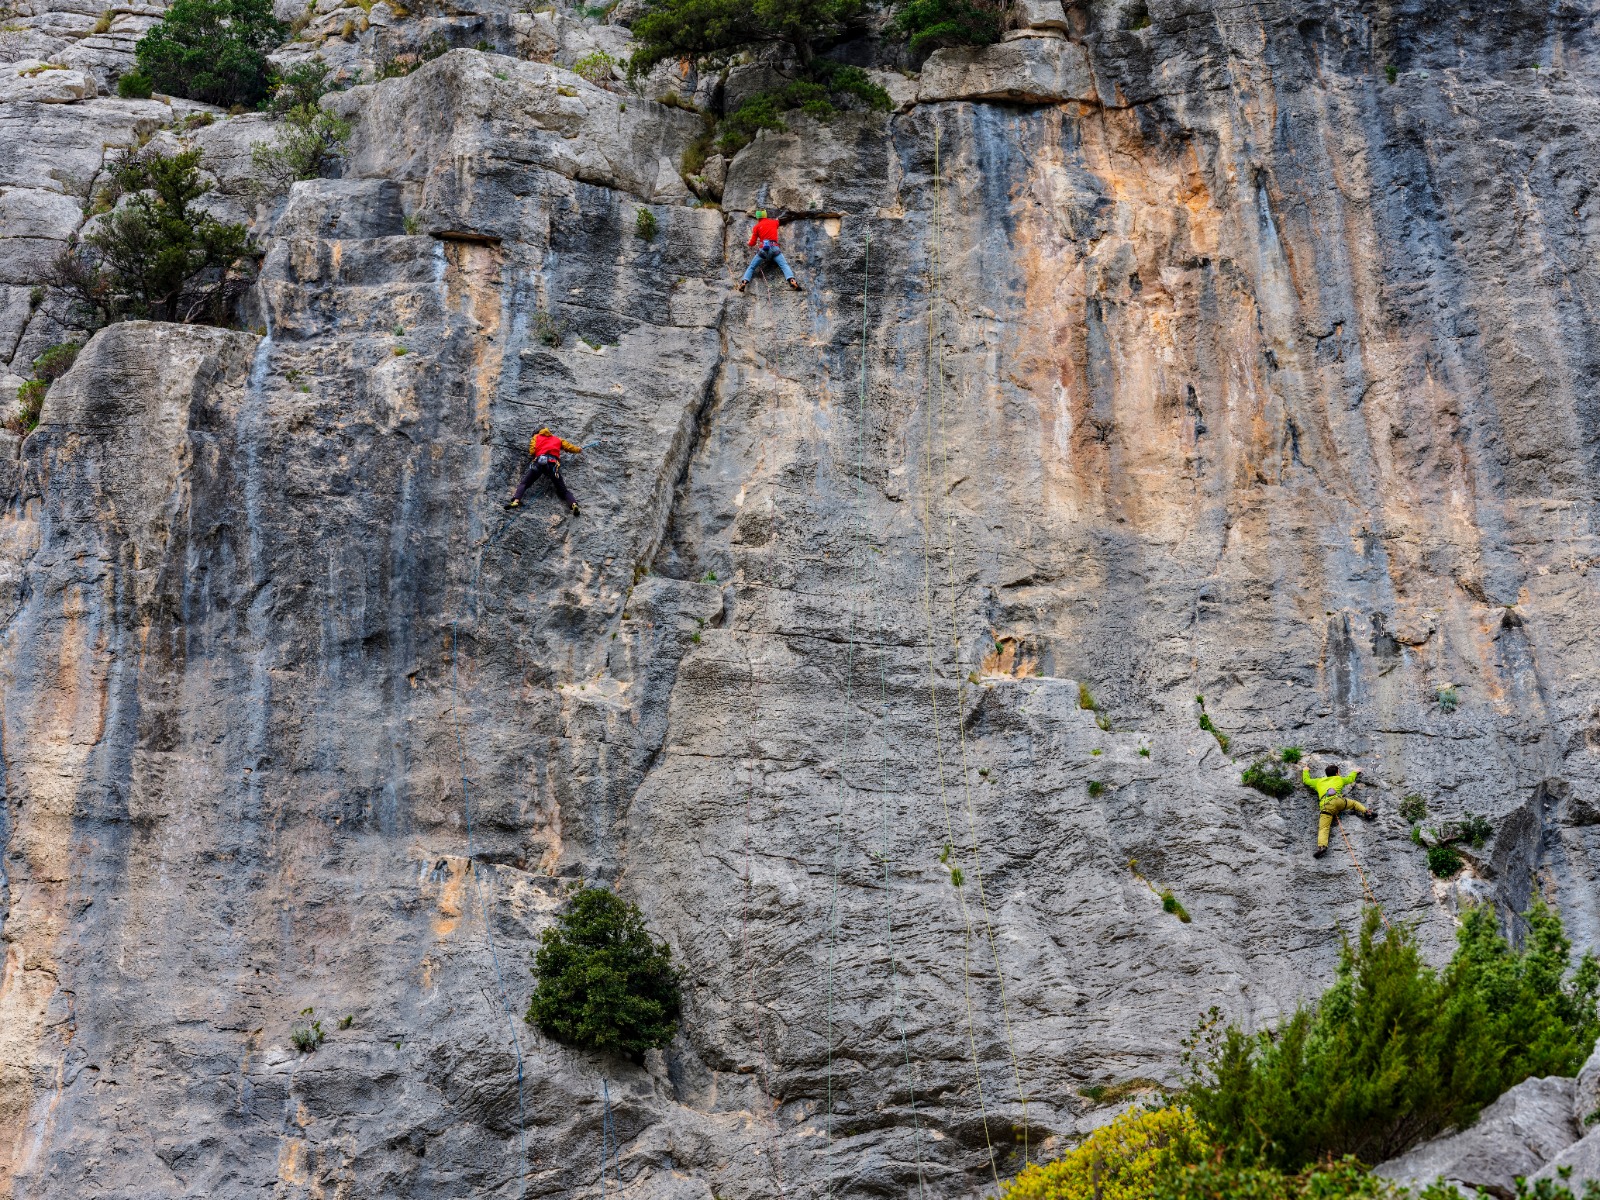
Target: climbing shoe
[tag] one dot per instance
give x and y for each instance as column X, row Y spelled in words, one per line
column 513, row 503
column 574, row 510
column 1370, row 815
column 740, row 286
column 1319, row 852
column 795, row 284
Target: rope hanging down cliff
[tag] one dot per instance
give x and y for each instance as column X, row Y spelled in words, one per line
column 936, row 371
column 896, row 1008
column 472, row 868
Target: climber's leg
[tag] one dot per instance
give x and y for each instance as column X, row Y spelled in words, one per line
column 528, row 477
column 783, row 264
column 561, row 487
column 1324, row 827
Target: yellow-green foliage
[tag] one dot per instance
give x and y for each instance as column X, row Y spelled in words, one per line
column 1120, row 1161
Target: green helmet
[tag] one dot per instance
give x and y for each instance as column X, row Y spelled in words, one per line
column 761, row 214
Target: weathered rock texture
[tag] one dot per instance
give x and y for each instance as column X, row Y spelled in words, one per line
column 1252, row 375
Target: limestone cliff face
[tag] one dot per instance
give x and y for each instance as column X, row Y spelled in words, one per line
column 1209, row 362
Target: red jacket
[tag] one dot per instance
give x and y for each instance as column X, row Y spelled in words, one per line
column 766, row 230
column 548, row 443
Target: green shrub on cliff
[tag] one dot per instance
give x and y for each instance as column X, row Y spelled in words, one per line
column 310, row 139
column 212, row 50
column 155, row 254
column 929, row 25
column 712, row 32
column 604, row 983
column 1396, row 1052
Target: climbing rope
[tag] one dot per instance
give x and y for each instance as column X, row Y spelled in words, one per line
column 472, row 869
column 895, row 1007
column 1365, row 886
column 609, row 1149
column 935, row 362
column 744, row 925
column 961, row 682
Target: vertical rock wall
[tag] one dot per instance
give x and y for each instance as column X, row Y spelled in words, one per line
column 1255, row 376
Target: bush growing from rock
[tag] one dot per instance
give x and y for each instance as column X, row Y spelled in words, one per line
column 1444, row 861
column 1395, row 1052
column 929, row 25
column 134, row 85
column 604, row 983
column 1268, row 777
column 155, row 254
column 310, row 139
column 212, row 50
column 712, row 32
column 47, row 368
column 1119, row 1161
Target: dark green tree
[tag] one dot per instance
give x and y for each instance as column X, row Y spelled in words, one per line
column 155, row 254
column 930, row 25
column 604, row 983
column 212, row 50
column 710, row 32
column 1394, row 1052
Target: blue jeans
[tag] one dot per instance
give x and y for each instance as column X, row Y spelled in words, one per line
column 769, row 252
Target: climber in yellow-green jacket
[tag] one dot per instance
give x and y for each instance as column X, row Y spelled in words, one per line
column 1330, row 802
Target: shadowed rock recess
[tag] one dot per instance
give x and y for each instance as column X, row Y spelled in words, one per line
column 1173, row 354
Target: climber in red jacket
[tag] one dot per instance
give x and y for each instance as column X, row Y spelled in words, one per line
column 546, row 449
column 765, row 238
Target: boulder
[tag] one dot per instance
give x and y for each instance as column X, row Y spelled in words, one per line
column 1026, row 71
column 38, row 213
column 45, row 83
column 1516, row 1135
column 1041, row 14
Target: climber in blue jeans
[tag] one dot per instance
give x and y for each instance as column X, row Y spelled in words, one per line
column 765, row 237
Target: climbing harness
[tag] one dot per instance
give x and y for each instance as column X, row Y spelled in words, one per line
column 472, row 867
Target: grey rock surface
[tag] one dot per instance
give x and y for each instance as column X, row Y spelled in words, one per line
column 1229, row 369
column 1030, row 70
column 1515, row 1136
column 1574, row 1166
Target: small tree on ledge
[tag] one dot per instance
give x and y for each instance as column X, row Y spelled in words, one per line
column 604, row 983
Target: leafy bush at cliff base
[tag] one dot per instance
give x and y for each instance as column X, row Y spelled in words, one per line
column 1165, row 1154
column 1119, row 1161
column 1394, row 1052
column 930, row 25
column 711, row 32
column 604, row 982
column 212, row 50
column 155, row 254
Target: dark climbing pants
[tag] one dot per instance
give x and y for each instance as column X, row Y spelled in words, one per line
column 550, row 469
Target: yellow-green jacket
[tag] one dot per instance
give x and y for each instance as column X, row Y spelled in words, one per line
column 1327, row 785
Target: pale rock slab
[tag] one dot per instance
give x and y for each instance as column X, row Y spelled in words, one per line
column 1025, row 71
column 1516, row 1135
column 44, row 83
